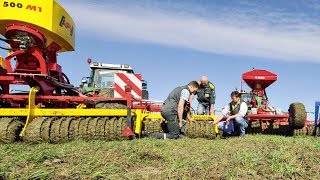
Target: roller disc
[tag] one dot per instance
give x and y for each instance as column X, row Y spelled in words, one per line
column 110, row 133
column 74, row 129
column 64, row 129
column 55, row 134
column 118, row 127
column 122, row 125
column 92, row 126
column 10, row 129
column 83, row 128
column 33, row 132
column 45, row 129
column 100, row 128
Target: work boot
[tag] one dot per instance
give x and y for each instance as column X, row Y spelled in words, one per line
column 154, row 135
column 182, row 136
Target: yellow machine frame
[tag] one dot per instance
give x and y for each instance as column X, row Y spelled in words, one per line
column 34, row 111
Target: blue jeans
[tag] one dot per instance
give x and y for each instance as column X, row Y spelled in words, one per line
column 239, row 123
column 203, row 109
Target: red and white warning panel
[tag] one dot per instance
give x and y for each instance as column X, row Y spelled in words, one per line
column 133, row 80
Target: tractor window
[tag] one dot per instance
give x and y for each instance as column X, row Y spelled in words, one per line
column 104, row 79
column 90, row 82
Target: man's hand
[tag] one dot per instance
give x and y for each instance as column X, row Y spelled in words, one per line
column 180, row 124
column 228, row 121
column 189, row 118
column 212, row 112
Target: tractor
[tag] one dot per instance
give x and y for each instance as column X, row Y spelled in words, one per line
column 106, row 80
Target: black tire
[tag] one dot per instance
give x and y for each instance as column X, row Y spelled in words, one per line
column 297, row 115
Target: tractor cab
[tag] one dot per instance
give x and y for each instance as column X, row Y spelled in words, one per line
column 102, row 75
column 113, row 78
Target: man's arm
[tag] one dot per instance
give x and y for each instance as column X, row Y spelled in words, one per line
column 212, row 109
column 219, row 118
column 223, row 115
column 212, row 100
column 180, row 111
column 185, row 96
column 234, row 116
column 191, row 98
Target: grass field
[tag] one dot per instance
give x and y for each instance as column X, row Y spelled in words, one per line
column 252, row 157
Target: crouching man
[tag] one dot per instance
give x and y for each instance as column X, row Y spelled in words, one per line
column 235, row 116
column 174, row 111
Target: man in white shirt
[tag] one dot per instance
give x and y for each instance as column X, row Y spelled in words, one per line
column 235, row 113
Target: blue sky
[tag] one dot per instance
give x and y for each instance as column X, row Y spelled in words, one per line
column 172, row 42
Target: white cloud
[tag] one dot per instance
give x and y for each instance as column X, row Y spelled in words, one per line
column 233, row 33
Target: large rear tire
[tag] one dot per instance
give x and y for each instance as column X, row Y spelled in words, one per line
column 297, row 115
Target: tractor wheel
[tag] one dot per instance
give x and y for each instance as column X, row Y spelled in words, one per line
column 297, row 115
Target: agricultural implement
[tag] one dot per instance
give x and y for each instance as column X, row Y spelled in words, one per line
column 264, row 118
column 109, row 105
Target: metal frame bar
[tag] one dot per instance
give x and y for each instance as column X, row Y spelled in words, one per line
column 316, row 116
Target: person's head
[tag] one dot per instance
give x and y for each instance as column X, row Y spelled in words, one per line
column 204, row 80
column 235, row 96
column 193, row 86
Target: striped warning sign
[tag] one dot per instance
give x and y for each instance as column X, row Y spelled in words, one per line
column 133, row 80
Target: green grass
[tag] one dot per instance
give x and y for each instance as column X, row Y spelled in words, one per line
column 252, row 157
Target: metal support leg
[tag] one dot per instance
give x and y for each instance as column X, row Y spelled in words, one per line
column 128, row 131
column 31, row 107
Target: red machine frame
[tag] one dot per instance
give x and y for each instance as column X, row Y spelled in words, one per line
column 36, row 65
column 258, row 81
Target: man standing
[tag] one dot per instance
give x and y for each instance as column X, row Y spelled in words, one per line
column 206, row 97
column 174, row 110
column 235, row 114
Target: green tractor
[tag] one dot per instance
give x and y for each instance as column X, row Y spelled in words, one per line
column 109, row 80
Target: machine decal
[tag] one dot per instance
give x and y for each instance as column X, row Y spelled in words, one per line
column 68, row 26
column 133, row 80
column 20, row 5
